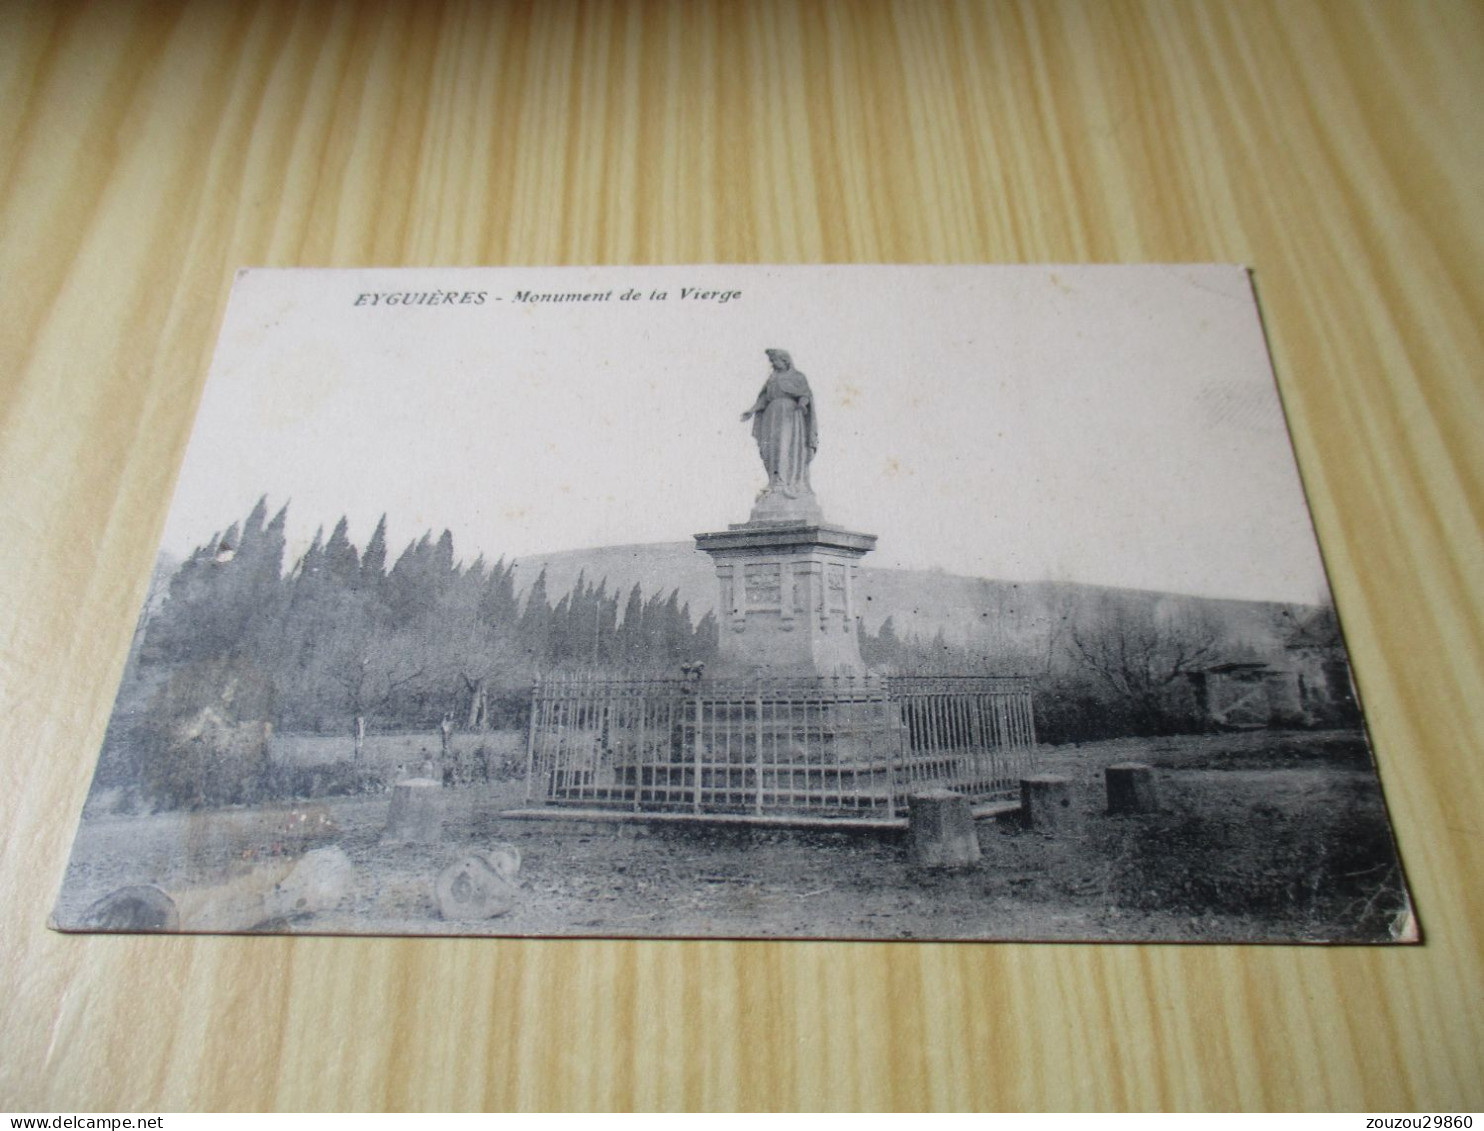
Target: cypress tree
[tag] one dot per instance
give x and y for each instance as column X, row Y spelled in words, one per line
column 535, row 623
column 441, row 564
column 631, row 632
column 341, row 559
column 373, row 561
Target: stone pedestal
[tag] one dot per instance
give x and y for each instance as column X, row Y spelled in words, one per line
column 1046, row 803
column 787, row 604
column 940, row 830
column 1130, row 788
column 416, row 814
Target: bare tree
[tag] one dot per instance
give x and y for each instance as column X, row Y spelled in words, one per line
column 369, row 684
column 1141, row 653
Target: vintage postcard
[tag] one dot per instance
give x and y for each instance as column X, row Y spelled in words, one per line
column 740, row 601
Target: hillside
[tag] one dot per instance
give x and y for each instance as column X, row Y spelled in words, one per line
column 985, row 614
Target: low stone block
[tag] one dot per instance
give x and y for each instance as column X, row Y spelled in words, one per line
column 471, row 888
column 503, row 858
column 416, row 813
column 138, row 908
column 940, row 830
column 318, row 882
column 1131, row 788
column 1046, row 803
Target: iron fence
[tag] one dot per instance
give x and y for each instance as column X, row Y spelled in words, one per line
column 826, row 747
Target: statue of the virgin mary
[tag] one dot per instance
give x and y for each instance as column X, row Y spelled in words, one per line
column 784, row 424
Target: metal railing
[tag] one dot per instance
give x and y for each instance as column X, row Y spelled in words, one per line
column 848, row 746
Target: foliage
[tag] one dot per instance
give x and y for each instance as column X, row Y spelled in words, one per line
column 340, row 638
column 347, row 640
column 1117, row 667
column 1272, row 862
column 1140, row 657
column 207, row 737
column 328, row 779
column 885, row 651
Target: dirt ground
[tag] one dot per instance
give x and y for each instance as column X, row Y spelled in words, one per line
column 1265, row 836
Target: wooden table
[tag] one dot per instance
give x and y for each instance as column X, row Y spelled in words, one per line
column 147, row 151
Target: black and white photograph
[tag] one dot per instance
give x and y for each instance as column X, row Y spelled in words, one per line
column 887, row 603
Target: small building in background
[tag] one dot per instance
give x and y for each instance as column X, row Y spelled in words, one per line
column 1306, row 684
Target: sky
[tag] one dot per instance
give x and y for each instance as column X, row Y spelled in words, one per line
column 1113, row 425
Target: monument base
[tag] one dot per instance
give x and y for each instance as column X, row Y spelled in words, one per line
column 775, row 505
column 787, row 604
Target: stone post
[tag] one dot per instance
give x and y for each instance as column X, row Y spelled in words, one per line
column 416, row 815
column 140, row 908
column 1130, row 788
column 940, row 830
column 479, row 885
column 1046, row 803
column 318, row 882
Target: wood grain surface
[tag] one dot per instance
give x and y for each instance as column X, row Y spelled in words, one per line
column 147, row 151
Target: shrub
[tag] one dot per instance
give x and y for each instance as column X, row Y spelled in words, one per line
column 207, row 737
column 331, row 779
column 1072, row 708
column 1315, row 867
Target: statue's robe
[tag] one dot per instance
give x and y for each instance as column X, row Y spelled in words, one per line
column 786, row 432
